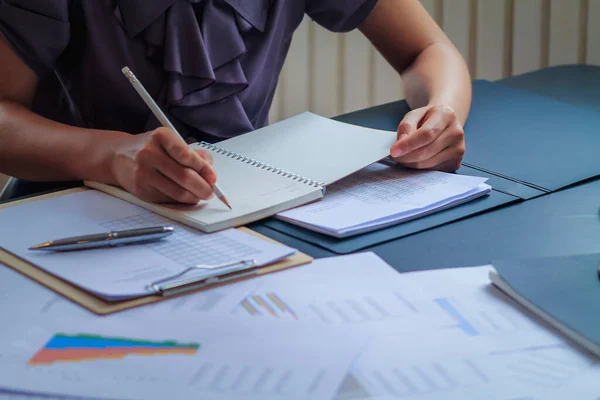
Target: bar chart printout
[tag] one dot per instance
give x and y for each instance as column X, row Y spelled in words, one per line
column 358, row 290
column 270, row 304
column 215, row 357
column 334, row 310
column 65, row 348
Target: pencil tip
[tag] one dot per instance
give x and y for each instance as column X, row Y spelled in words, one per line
column 224, row 200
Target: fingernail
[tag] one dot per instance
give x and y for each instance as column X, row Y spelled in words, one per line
column 396, row 152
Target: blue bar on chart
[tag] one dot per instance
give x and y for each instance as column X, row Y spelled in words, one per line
column 463, row 322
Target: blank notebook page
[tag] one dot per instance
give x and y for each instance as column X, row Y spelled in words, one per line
column 315, row 147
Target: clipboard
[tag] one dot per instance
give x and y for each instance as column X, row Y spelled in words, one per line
column 103, row 307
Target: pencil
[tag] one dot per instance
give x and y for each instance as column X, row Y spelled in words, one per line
column 137, row 85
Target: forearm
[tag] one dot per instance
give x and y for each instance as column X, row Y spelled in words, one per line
column 438, row 76
column 35, row 148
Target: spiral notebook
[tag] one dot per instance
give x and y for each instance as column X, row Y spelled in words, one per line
column 276, row 168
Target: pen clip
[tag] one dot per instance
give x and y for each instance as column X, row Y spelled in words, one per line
column 223, row 273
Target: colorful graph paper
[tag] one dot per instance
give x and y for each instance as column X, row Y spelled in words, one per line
column 83, row 347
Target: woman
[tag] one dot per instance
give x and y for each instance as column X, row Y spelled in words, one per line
column 67, row 113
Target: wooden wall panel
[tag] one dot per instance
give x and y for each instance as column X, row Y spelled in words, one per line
column 490, row 39
column 564, row 32
column 527, row 36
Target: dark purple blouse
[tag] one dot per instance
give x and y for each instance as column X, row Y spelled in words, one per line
column 212, row 65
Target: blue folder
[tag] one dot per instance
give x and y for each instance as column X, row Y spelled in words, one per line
column 531, row 139
column 565, row 291
column 575, row 84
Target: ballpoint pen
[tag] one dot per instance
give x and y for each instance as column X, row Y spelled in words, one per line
column 158, row 113
column 107, row 239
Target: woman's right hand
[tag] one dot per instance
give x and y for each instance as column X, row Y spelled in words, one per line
column 156, row 166
column 160, row 167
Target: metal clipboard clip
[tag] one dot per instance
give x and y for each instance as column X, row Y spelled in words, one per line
column 221, row 273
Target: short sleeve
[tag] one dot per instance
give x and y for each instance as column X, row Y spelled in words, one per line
column 38, row 30
column 339, row 15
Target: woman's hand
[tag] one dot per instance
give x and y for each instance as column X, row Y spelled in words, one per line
column 430, row 137
column 159, row 167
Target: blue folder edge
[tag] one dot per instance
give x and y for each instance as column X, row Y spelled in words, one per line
column 354, row 243
column 566, row 288
column 503, row 185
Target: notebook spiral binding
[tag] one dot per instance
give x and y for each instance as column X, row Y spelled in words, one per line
column 258, row 164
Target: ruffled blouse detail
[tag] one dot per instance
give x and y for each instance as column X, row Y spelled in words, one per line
column 198, row 47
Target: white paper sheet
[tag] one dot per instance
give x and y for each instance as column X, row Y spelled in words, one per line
column 23, row 301
column 382, row 194
column 477, row 307
column 228, row 358
column 359, row 291
column 124, row 271
column 453, row 366
column 583, row 386
column 495, row 349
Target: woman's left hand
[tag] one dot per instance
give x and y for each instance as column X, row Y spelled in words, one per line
column 430, row 137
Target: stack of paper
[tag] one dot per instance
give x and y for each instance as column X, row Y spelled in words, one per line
column 340, row 328
column 382, row 195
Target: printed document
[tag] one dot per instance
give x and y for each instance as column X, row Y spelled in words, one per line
column 382, row 195
column 127, row 271
column 359, row 291
column 213, row 358
column 494, row 350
